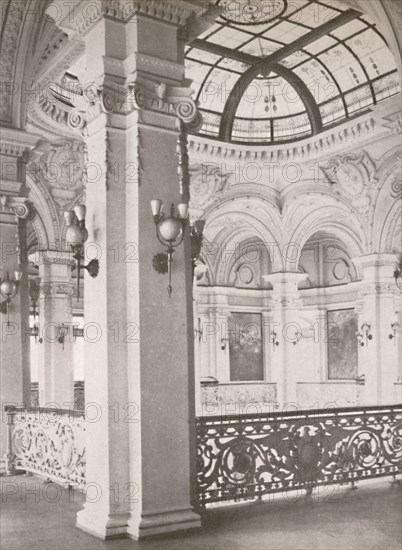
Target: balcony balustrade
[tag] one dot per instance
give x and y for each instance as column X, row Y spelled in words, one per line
column 47, row 442
column 246, row 457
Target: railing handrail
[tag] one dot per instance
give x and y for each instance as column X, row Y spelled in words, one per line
column 44, row 410
column 304, row 413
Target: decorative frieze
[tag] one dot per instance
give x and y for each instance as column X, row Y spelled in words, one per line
column 86, row 15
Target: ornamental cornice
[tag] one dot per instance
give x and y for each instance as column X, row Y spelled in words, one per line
column 17, row 206
column 77, row 19
column 348, row 135
column 50, row 257
column 16, row 142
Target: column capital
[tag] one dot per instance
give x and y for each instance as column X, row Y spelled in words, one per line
column 113, row 97
column 52, row 257
column 285, row 292
column 377, row 273
column 19, row 206
column 380, row 260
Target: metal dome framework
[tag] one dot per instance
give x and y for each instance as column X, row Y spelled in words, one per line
column 281, row 71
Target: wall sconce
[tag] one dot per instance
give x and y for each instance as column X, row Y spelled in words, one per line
column 35, row 333
column 365, row 335
column 198, row 331
column 76, row 236
column 62, row 331
column 275, row 342
column 196, row 236
column 34, row 293
column 360, row 380
column 170, row 233
column 394, row 328
column 298, row 336
column 9, row 289
column 224, row 342
column 398, row 276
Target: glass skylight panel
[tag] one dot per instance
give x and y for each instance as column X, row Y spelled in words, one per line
column 359, row 100
column 344, row 67
column 232, row 65
column 251, row 130
column 269, row 98
column 253, row 29
column 286, row 32
column 294, row 59
column 372, row 52
column 230, row 38
column 349, row 28
column 261, row 47
column 321, row 44
column 210, row 30
column 318, row 80
column 332, row 111
column 216, row 90
column 196, row 72
column 292, row 127
column 201, row 55
column 308, row 16
column 315, row 14
column 387, row 86
column 211, row 123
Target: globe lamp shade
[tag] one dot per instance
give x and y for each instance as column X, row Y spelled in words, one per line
column 170, row 229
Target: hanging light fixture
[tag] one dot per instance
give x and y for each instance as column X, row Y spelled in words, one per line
column 169, row 231
column 76, row 236
column 9, row 289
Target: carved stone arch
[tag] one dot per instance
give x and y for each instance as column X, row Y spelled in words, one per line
column 325, row 220
column 246, row 268
column 46, row 220
column 231, row 224
column 208, row 278
column 388, row 240
column 388, row 202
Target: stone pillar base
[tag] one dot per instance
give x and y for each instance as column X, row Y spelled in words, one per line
column 101, row 524
column 164, row 522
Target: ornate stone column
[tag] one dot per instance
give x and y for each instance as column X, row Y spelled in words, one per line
column 55, row 366
column 14, row 211
column 378, row 357
column 286, row 303
column 139, row 377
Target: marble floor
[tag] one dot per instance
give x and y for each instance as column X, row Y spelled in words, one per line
column 336, row 518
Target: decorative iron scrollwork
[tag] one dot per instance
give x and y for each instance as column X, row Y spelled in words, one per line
column 248, row 456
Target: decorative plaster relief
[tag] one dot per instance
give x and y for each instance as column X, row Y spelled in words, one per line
column 353, row 175
column 59, row 165
column 207, row 186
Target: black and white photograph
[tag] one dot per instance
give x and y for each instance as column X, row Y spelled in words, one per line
column 200, row 274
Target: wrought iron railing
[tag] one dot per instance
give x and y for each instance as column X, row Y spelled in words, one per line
column 47, row 442
column 246, row 457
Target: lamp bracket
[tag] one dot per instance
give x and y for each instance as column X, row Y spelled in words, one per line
column 160, row 263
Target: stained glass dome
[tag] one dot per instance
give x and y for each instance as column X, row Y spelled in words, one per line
column 276, row 71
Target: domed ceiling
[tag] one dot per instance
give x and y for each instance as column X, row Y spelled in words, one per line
column 276, row 71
